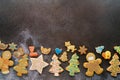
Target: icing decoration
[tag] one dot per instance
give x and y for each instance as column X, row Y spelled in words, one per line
column 99, row 49
column 5, row 62
column 82, row 49
column 55, row 63
column 38, row 64
column 58, row 51
column 63, row 57
column 93, row 65
column 114, row 67
column 106, row 55
column 73, row 65
column 12, row 46
column 20, row 68
column 32, row 53
column 70, row 47
column 45, row 50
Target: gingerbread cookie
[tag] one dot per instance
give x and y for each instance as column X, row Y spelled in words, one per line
column 64, row 57
column 73, row 65
column 20, row 68
column 3, row 46
column 93, row 65
column 45, row 50
column 38, row 64
column 114, row 67
column 117, row 49
column 82, row 49
column 106, row 55
column 12, row 46
column 5, row 62
column 19, row 52
column 32, row 53
column 70, row 47
column 55, row 66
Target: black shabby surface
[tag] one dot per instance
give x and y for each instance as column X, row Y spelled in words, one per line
column 52, row 22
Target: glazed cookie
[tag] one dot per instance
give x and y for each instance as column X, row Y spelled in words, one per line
column 56, row 69
column 3, row 46
column 19, row 52
column 64, row 57
column 5, row 62
column 45, row 50
column 82, row 49
column 93, row 65
column 114, row 67
column 20, row 68
column 70, row 47
column 73, row 66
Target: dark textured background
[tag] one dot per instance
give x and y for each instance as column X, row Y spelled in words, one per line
column 52, row 22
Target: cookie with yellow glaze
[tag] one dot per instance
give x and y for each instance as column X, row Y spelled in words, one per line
column 20, row 68
column 5, row 62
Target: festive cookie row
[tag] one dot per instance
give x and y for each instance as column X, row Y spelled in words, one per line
column 38, row 63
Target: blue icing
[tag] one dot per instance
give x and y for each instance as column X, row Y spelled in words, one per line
column 99, row 49
column 58, row 51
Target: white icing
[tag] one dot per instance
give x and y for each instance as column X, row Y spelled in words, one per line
column 90, row 58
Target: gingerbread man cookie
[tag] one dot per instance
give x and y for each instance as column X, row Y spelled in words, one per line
column 93, row 65
column 5, row 62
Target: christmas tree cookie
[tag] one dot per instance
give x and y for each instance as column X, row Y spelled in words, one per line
column 114, row 67
column 55, row 63
column 63, row 57
column 20, row 68
column 73, row 65
column 117, row 49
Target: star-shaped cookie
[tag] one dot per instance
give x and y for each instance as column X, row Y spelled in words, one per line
column 38, row 64
column 12, row 46
column 82, row 49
